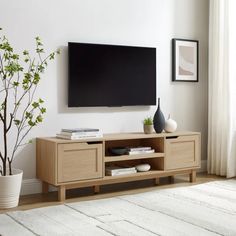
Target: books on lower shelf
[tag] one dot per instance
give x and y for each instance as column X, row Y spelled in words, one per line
column 79, row 133
column 118, row 170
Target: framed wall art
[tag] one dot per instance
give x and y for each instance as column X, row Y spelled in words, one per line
column 185, row 60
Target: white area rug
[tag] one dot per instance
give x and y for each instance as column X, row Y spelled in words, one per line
column 205, row 209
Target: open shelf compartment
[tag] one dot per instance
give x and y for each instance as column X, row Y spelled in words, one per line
column 157, row 164
column 155, row 160
column 155, row 143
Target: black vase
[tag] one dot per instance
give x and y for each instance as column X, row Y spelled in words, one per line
column 159, row 119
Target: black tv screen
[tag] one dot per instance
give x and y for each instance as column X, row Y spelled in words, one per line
column 109, row 75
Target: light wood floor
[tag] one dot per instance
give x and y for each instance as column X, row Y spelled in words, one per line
column 42, row 200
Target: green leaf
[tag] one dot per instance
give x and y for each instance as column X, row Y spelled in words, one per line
column 39, row 50
column 43, row 110
column 41, row 100
column 28, row 115
column 16, row 83
column 27, row 77
column 31, row 123
column 39, row 118
column 25, row 52
column 36, row 78
column 25, row 87
column 17, row 122
column 6, row 46
column 148, row 121
column 52, row 56
column 15, row 56
column 41, row 68
column 35, row 104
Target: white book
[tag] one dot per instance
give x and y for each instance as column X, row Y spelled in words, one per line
column 121, row 173
column 78, row 137
column 119, row 170
column 81, row 134
column 80, row 130
column 139, row 148
column 141, row 152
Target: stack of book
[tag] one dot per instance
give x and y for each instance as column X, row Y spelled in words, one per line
column 140, row 150
column 118, row 170
column 79, row 133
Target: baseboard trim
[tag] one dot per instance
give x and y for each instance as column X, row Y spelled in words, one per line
column 31, row 186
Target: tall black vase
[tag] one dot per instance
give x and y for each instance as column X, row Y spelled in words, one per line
column 159, row 119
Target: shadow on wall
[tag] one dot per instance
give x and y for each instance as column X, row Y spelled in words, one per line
column 62, row 92
column 25, row 159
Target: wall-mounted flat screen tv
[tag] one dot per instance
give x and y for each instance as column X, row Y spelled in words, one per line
column 111, row 75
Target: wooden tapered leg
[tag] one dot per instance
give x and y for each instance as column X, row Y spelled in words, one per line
column 45, row 187
column 62, row 193
column 96, row 188
column 193, row 176
column 157, row 181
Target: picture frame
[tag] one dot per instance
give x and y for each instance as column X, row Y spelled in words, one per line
column 185, row 60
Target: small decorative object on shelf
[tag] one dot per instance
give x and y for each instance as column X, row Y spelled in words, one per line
column 143, row 167
column 159, row 119
column 118, row 151
column 148, row 125
column 170, row 125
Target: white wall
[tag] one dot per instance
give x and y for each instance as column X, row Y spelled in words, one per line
column 128, row 22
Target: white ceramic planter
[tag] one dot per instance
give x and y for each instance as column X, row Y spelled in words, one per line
column 10, row 187
column 170, row 125
column 148, row 129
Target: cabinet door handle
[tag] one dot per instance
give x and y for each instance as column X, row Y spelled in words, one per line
column 172, row 137
column 94, row 142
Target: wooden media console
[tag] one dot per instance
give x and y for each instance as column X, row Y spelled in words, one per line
column 69, row 164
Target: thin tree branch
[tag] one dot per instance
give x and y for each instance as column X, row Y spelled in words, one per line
column 1, row 64
column 5, row 89
column 19, row 143
column 1, row 156
column 10, row 123
column 5, row 133
column 1, row 117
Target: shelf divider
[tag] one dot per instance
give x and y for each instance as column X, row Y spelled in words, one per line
column 133, row 157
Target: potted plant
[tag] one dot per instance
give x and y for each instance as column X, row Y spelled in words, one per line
column 148, row 125
column 20, row 111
